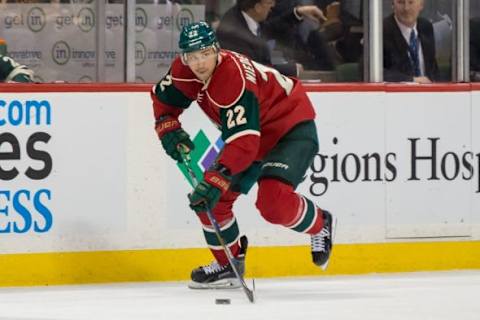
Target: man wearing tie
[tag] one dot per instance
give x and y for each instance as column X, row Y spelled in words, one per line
column 408, row 44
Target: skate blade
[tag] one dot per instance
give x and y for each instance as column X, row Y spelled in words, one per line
column 334, row 228
column 220, row 284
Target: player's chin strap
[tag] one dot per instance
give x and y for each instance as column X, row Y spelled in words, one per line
column 185, row 153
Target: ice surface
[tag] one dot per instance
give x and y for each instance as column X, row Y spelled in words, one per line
column 434, row 295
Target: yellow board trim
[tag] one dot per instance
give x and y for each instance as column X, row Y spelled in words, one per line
column 176, row 264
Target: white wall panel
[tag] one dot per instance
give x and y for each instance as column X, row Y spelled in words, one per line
column 475, row 191
column 429, row 198
column 350, row 127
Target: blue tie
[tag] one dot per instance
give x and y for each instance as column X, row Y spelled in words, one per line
column 413, row 50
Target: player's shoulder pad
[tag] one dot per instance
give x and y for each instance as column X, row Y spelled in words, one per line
column 230, row 80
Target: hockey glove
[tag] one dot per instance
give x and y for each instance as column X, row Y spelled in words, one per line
column 171, row 135
column 207, row 193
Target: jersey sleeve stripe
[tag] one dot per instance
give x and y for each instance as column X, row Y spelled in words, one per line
column 241, row 134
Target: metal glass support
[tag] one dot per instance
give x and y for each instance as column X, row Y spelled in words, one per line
column 373, row 41
column 100, row 40
column 466, row 40
column 460, row 39
column 129, row 14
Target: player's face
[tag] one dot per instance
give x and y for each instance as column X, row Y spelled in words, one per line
column 407, row 11
column 202, row 62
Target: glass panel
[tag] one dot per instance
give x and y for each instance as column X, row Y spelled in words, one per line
column 475, row 41
column 158, row 25
column 56, row 38
column 114, row 41
column 432, row 43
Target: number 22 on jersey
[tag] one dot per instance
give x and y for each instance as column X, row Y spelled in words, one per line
column 236, row 117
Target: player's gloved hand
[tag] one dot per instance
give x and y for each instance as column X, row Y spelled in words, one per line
column 172, row 135
column 207, row 193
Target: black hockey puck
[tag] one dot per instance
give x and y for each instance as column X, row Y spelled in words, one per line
column 222, row 301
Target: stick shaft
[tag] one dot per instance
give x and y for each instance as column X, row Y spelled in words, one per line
column 216, row 227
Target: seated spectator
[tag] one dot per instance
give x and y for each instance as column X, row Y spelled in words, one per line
column 348, row 44
column 245, row 29
column 239, row 30
column 299, row 32
column 408, row 44
column 332, row 27
column 475, row 49
column 10, row 71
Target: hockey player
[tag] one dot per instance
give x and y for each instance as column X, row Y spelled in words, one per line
column 267, row 124
column 11, row 71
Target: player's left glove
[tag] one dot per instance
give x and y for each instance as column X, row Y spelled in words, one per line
column 207, row 193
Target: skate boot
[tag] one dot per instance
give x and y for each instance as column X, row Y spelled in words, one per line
column 216, row 276
column 322, row 242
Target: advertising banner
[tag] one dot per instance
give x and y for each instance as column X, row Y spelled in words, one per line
column 85, row 171
column 62, row 169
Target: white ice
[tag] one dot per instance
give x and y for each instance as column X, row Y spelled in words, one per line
column 435, row 295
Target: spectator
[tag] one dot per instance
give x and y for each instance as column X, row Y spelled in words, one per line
column 239, row 30
column 475, row 49
column 327, row 43
column 11, row 71
column 332, row 27
column 295, row 30
column 343, row 29
column 244, row 28
column 408, row 44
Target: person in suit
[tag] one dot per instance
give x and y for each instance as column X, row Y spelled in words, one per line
column 475, row 49
column 408, row 44
column 297, row 32
column 349, row 46
column 241, row 29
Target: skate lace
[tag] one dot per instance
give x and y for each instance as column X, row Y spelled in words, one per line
column 212, row 268
column 318, row 240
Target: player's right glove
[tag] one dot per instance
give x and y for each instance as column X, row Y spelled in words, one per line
column 172, row 135
column 207, row 193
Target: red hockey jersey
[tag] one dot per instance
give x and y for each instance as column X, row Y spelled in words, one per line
column 253, row 105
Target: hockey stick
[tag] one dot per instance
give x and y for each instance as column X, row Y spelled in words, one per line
column 186, row 160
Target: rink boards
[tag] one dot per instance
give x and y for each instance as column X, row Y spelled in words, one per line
column 87, row 194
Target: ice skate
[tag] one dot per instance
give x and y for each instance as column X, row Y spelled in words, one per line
column 216, row 276
column 322, row 242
